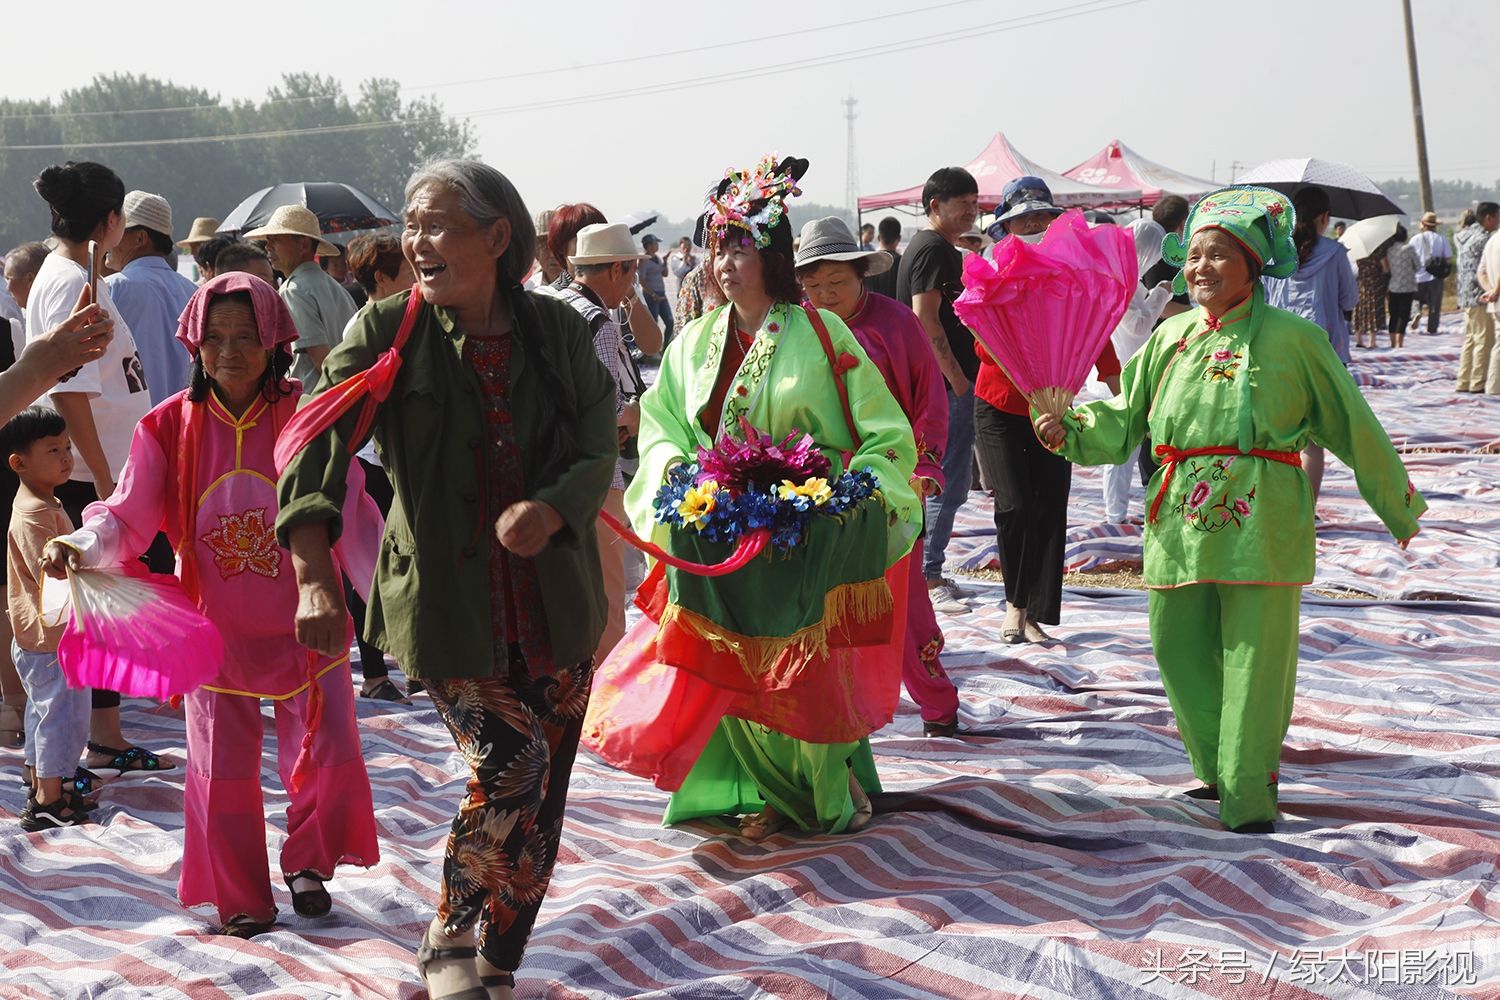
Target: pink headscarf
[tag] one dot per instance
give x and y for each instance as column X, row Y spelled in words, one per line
column 272, row 318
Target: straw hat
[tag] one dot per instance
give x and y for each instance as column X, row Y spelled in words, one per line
column 294, row 220
column 604, row 243
column 830, row 239
column 203, row 230
column 149, row 210
column 1429, row 220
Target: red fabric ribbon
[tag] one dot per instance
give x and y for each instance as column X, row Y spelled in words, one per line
column 751, row 544
column 369, row 387
column 312, row 721
column 1170, row 458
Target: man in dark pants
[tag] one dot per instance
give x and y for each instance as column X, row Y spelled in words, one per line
column 930, row 277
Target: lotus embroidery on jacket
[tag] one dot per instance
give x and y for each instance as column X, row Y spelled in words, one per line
column 245, row 542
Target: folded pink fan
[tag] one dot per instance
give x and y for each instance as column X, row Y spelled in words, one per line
column 137, row 633
column 1044, row 311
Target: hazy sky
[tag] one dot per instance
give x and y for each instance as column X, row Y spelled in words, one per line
column 1197, row 85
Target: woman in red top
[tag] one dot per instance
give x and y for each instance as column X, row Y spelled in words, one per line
column 1031, row 483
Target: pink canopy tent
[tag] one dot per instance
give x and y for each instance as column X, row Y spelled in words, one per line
column 1000, row 162
column 1121, row 168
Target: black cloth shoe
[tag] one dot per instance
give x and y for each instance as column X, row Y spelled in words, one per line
column 1210, row 792
column 312, row 902
column 941, row 729
column 1259, row 826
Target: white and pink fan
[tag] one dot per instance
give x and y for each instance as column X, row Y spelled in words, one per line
column 134, row 632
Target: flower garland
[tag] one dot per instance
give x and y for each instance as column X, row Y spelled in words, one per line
column 741, row 486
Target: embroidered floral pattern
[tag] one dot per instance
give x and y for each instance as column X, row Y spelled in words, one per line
column 1198, row 507
column 245, row 542
column 1222, row 364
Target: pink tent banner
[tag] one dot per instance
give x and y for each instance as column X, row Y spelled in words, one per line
column 1120, row 168
column 1000, row 162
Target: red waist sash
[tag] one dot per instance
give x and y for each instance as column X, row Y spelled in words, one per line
column 1170, row 458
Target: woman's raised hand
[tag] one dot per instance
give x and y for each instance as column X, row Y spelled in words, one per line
column 526, row 527
column 1049, row 431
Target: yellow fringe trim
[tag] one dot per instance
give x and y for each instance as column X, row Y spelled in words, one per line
column 856, row 602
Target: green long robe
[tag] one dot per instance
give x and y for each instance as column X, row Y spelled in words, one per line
column 1269, row 380
column 785, row 383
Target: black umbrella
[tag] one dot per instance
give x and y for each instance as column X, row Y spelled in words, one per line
column 339, row 207
column 1351, row 194
column 638, row 221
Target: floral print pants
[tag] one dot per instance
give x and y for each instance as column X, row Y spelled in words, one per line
column 519, row 735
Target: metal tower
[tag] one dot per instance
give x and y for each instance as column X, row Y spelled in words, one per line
column 851, row 182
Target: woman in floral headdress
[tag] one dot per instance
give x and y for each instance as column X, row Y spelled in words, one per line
column 1232, row 392
column 201, row 464
column 793, row 749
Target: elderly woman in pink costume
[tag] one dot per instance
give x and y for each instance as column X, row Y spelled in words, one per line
column 201, row 464
column 832, row 269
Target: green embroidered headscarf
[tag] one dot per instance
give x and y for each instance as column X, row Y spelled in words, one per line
column 1259, row 218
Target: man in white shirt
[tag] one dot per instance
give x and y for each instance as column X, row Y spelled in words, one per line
column 320, row 306
column 1431, row 246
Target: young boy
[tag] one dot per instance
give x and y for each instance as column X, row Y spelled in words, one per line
column 36, row 446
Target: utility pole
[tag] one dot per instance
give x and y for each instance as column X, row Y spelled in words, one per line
column 1424, row 176
column 851, row 177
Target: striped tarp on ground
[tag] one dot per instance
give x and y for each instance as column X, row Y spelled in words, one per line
column 1440, row 433
column 1049, row 854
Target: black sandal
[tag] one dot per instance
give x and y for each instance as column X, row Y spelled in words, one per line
column 310, row 902
column 385, row 690
column 506, row 979
column 427, row 954
column 245, row 928
column 128, row 759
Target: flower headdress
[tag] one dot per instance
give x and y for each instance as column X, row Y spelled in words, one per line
column 754, row 201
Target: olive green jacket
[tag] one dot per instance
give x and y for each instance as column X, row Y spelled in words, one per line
column 429, row 606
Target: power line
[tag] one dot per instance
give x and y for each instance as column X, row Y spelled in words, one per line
column 885, row 48
column 624, row 60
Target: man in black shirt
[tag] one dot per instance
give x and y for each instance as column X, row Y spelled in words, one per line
column 889, row 235
column 929, row 278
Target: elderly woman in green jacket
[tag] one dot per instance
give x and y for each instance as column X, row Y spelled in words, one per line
column 499, row 438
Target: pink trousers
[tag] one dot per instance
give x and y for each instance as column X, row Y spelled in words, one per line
column 921, row 671
column 330, row 818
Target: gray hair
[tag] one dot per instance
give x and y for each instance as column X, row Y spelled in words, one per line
column 487, row 196
column 28, row 258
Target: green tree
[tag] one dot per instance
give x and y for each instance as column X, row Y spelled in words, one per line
column 381, row 140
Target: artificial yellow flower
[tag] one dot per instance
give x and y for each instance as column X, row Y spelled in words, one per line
column 815, row 489
column 698, row 502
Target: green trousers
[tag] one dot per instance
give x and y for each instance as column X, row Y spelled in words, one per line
column 746, row 766
column 1228, row 658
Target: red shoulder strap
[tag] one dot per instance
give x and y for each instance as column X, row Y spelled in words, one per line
column 839, row 366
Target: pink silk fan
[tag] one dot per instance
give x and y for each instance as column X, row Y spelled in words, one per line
column 1044, row 311
column 137, row 633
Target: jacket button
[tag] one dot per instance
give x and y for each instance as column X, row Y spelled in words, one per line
column 475, row 442
column 471, row 497
column 470, row 551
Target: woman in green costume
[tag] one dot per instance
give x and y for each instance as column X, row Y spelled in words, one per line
column 760, row 360
column 1231, row 393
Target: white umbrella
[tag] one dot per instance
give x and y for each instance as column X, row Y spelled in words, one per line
column 1363, row 238
column 1351, row 194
